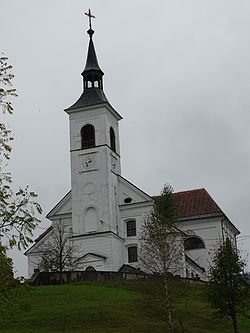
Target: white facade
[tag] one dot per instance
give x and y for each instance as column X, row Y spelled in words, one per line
column 101, row 203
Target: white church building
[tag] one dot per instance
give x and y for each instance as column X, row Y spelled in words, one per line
column 104, row 212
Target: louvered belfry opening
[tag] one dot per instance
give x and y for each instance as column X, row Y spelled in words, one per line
column 88, row 136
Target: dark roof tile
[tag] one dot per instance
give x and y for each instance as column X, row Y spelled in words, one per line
column 195, row 203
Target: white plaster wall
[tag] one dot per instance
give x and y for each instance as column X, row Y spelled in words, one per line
column 127, row 190
column 94, row 188
column 101, row 118
column 107, row 245
column 91, row 260
column 228, row 231
column 209, row 230
column 139, row 213
column 117, row 253
column 97, row 186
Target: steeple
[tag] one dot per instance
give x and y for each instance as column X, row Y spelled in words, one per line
column 92, row 73
column 92, row 76
column 91, row 63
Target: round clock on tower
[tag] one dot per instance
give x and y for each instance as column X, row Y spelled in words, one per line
column 88, row 162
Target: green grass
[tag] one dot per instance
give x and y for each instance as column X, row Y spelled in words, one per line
column 108, row 308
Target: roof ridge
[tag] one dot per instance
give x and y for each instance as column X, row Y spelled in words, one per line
column 185, row 191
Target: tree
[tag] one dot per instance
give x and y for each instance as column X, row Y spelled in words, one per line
column 228, row 289
column 59, row 253
column 6, row 274
column 161, row 245
column 18, row 211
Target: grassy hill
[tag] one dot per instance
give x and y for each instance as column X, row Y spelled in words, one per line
column 130, row 307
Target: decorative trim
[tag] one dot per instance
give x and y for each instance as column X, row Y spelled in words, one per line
column 97, row 233
column 98, row 146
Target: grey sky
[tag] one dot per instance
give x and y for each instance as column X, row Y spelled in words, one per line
column 178, row 73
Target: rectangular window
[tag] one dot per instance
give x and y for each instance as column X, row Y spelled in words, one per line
column 132, row 254
column 131, row 228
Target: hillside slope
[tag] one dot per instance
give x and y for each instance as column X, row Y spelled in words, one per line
column 107, row 308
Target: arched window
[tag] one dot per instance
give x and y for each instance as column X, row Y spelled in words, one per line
column 193, row 242
column 88, row 136
column 112, row 139
column 90, row 220
column 90, row 269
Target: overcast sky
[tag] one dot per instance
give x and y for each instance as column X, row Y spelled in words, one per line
column 177, row 71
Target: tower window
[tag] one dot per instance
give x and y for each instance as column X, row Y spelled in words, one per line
column 131, row 228
column 192, row 243
column 132, row 254
column 88, row 136
column 112, row 139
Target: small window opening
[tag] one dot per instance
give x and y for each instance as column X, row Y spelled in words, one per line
column 96, row 84
column 131, row 228
column 132, row 254
column 88, row 136
column 112, row 139
column 127, row 200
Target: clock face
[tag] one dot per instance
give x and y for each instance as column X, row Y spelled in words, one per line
column 88, row 162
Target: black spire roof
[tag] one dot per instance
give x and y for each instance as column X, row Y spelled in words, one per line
column 91, row 63
column 92, row 80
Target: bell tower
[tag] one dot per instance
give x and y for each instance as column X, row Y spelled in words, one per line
column 95, row 153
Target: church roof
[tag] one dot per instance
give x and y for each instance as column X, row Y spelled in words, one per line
column 91, row 62
column 44, row 234
column 195, row 203
column 90, row 97
column 39, row 238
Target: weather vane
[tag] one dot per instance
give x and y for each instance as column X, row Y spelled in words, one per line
column 90, row 16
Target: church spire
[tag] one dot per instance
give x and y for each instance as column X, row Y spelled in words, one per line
column 92, row 73
column 92, row 76
column 91, row 62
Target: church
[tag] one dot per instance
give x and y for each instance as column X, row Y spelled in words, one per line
column 104, row 212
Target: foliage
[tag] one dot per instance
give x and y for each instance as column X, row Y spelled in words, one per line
column 161, row 246
column 6, row 90
column 59, row 253
column 228, row 290
column 6, row 274
column 11, row 290
column 18, row 210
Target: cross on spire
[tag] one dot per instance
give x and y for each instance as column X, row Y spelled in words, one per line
column 90, row 16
